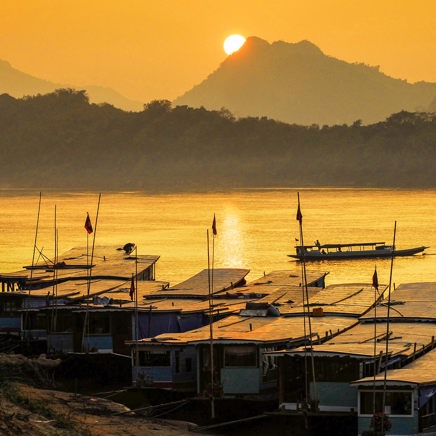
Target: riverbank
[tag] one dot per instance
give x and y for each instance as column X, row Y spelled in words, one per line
column 31, row 404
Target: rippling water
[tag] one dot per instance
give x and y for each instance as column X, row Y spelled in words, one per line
column 256, row 228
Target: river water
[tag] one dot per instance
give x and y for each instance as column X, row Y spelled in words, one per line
column 256, row 228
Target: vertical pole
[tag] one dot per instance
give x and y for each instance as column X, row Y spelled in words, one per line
column 375, row 352
column 56, row 278
column 212, row 400
column 36, row 235
column 136, row 307
column 388, row 324
column 306, row 302
column 86, row 322
column 26, row 315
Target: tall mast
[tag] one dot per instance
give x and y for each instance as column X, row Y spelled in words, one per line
column 209, row 279
column 36, row 235
column 55, row 274
column 86, row 322
column 375, row 286
column 388, row 324
column 33, row 260
column 306, row 302
column 136, row 308
column 210, row 268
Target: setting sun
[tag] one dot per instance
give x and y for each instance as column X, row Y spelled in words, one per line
column 233, row 43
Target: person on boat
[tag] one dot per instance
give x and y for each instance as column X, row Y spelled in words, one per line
column 317, row 243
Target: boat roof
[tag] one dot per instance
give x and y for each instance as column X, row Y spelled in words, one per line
column 412, row 321
column 353, row 244
column 109, row 262
column 349, row 299
column 197, row 286
column 414, row 301
column 404, row 339
column 344, row 302
column 421, row 371
column 252, row 329
column 76, row 291
column 275, row 283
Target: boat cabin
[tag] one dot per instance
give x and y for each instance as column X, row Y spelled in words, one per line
column 410, row 398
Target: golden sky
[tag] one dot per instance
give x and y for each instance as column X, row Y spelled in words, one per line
column 158, row 49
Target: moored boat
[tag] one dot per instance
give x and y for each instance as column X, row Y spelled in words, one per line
column 359, row 250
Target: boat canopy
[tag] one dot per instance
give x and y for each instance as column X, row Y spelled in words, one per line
column 354, row 244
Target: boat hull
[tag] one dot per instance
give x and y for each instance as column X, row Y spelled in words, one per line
column 362, row 254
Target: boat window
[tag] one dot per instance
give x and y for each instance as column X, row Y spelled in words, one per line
column 188, row 364
column 10, row 305
column 99, row 323
column 336, row 368
column 154, row 358
column 397, row 402
column 240, row 356
column 177, row 361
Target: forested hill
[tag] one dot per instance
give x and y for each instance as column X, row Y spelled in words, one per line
column 298, row 83
column 61, row 141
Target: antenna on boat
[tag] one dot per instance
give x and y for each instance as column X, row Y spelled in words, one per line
column 86, row 322
column 306, row 302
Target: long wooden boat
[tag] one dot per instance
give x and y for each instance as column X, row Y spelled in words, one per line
column 359, row 250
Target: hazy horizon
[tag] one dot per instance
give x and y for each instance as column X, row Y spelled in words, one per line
column 159, row 50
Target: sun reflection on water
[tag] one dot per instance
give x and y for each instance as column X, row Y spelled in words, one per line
column 230, row 247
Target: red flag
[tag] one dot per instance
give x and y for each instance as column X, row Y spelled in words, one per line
column 375, row 280
column 132, row 290
column 299, row 214
column 88, row 225
column 214, row 226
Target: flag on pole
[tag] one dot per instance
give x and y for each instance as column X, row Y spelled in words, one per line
column 299, row 214
column 88, row 225
column 375, row 280
column 214, row 226
column 132, row 289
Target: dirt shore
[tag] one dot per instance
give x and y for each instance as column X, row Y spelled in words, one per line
column 34, row 411
column 31, row 405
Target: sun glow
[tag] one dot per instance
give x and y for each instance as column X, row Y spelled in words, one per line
column 233, row 43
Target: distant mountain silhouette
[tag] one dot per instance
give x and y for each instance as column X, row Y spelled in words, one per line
column 298, row 83
column 19, row 84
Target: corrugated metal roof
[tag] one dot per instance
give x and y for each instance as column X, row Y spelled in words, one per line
column 284, row 278
column 198, row 285
column 351, row 299
column 359, row 340
column 256, row 329
column 411, row 300
column 108, row 262
column 422, row 371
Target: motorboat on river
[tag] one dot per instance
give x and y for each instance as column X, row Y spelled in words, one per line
column 358, row 250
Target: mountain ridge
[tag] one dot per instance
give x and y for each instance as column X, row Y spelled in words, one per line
column 20, row 84
column 298, row 83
